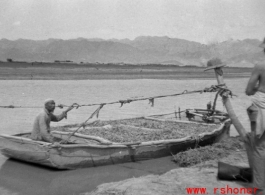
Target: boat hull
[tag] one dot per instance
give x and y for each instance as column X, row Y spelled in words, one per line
column 81, row 155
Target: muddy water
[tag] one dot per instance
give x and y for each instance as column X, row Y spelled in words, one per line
column 27, row 179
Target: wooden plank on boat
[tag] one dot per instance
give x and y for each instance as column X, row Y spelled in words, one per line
column 65, row 135
column 210, row 117
column 182, row 121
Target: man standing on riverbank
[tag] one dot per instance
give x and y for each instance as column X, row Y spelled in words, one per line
column 255, row 141
column 41, row 126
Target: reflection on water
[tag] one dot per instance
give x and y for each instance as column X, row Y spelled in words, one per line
column 26, row 179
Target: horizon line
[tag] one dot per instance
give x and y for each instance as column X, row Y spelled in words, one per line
column 211, row 42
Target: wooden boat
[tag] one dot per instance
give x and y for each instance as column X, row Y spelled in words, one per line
column 89, row 151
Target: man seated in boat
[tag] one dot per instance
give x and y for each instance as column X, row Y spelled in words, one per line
column 255, row 141
column 41, row 126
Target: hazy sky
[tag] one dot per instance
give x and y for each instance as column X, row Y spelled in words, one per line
column 203, row 21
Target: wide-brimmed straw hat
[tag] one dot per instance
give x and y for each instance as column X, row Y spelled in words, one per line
column 214, row 63
column 262, row 44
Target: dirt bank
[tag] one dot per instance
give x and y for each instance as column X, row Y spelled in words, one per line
column 176, row 181
column 58, row 71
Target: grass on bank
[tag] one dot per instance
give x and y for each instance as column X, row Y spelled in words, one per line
column 210, row 152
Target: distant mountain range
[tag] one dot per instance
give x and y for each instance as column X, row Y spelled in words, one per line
column 141, row 50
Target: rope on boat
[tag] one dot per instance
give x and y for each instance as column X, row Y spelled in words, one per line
column 11, row 106
column 221, row 89
column 213, row 88
column 214, row 103
column 224, row 92
column 96, row 112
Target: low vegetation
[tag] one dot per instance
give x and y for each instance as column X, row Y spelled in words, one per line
column 210, row 152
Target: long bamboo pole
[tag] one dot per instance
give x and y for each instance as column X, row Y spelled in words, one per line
column 227, row 103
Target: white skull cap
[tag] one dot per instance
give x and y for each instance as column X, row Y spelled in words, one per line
column 48, row 100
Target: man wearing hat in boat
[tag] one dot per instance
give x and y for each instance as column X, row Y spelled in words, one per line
column 41, row 126
column 255, row 141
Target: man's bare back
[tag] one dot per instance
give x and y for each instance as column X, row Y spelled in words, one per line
column 257, row 80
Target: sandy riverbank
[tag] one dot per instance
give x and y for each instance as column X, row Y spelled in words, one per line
column 175, row 182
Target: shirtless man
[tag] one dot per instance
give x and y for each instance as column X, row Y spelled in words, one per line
column 255, row 141
column 257, row 79
column 41, row 127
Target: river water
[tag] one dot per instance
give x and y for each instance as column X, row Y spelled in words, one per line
column 26, row 179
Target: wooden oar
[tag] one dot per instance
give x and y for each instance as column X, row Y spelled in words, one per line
column 217, row 65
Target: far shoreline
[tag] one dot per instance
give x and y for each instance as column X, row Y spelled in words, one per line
column 52, row 79
column 58, row 71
